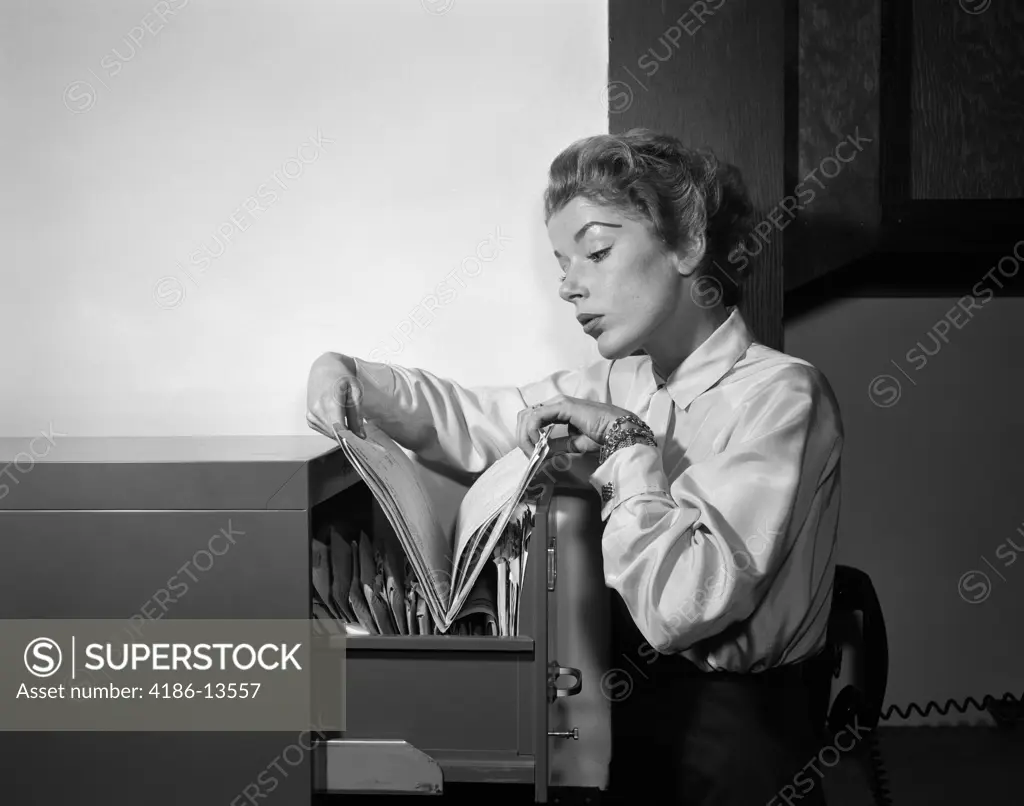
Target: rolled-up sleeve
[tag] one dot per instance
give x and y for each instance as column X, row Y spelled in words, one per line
column 692, row 557
column 466, row 429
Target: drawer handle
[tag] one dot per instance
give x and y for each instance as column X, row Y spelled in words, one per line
column 554, row 672
column 552, row 566
column 573, row 734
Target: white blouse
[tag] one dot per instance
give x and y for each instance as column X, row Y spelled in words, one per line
column 721, row 541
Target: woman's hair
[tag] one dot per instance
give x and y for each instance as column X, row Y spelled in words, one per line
column 683, row 192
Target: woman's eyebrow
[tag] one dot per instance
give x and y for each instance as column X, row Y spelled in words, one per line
column 590, row 224
column 585, row 227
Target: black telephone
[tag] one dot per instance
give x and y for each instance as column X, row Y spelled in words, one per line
column 854, row 593
column 862, row 700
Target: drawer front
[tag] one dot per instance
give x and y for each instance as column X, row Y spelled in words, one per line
column 437, row 700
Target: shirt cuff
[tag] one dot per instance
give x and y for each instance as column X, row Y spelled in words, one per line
column 630, row 471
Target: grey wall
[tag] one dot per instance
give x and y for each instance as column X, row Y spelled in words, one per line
column 932, row 481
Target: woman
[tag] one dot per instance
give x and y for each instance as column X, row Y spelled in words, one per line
column 717, row 460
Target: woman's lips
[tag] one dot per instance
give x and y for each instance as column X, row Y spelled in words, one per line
column 592, row 325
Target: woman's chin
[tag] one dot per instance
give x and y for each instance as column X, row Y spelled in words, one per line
column 611, row 348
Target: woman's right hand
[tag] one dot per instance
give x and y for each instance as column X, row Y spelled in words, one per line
column 334, row 395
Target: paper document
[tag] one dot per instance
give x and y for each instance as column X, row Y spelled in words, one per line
column 446, row 566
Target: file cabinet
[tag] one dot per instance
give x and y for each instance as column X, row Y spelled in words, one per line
column 220, row 527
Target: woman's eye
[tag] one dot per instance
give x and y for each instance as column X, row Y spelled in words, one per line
column 596, row 257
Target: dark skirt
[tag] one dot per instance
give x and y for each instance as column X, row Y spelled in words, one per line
column 681, row 735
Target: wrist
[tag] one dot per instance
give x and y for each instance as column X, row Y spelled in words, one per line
column 623, row 432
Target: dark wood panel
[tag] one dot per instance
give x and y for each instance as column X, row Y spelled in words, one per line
column 943, row 227
column 713, row 78
column 837, row 92
column 974, row 226
column 983, row 275
column 967, row 95
column 895, row 44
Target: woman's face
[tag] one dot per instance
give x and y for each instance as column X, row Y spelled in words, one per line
column 620, row 277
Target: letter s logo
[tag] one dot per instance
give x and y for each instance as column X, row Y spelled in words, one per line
column 43, row 657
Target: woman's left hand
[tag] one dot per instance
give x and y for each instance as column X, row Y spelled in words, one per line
column 588, row 422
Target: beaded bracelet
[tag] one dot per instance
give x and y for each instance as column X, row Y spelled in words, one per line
column 616, row 437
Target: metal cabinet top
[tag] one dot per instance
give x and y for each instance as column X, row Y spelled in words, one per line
column 55, row 472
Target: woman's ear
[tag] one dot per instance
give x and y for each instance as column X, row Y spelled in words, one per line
column 688, row 259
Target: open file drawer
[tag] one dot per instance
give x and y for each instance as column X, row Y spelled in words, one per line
column 122, row 527
column 423, row 710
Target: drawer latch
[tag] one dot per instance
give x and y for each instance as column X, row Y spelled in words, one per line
column 555, row 672
column 573, row 734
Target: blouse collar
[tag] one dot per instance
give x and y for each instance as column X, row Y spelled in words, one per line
column 709, row 363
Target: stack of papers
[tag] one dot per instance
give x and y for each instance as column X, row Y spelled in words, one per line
column 510, row 561
column 416, row 579
column 446, row 566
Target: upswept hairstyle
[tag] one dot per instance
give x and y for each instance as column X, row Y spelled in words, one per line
column 682, row 192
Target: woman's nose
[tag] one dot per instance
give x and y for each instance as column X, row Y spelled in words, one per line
column 571, row 289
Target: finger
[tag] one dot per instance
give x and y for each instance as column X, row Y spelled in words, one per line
column 329, row 433
column 522, row 429
column 584, row 444
column 537, row 417
column 574, row 444
column 581, row 442
column 557, row 410
column 561, row 445
column 534, row 420
column 528, row 431
column 354, row 411
column 318, row 425
column 354, row 419
column 329, row 413
column 346, row 408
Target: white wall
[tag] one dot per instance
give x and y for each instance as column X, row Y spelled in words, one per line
column 440, row 120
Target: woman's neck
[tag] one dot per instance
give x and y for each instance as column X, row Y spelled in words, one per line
column 671, row 347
